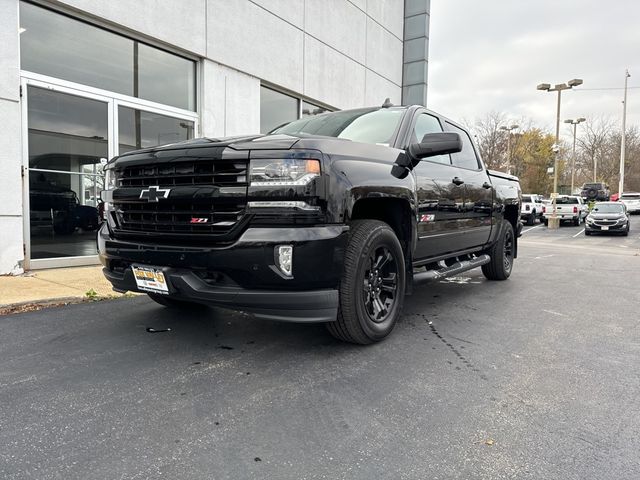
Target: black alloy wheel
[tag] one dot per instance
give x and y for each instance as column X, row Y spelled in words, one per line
column 380, row 284
column 502, row 254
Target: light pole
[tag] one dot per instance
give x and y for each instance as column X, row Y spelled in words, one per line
column 573, row 159
column 554, row 222
column 622, row 141
column 508, row 130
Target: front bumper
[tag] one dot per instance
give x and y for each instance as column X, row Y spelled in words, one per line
column 593, row 227
column 242, row 275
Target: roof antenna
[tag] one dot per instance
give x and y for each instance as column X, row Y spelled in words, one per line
column 387, row 103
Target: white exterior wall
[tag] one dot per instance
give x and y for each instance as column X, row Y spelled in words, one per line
column 341, row 53
column 11, row 235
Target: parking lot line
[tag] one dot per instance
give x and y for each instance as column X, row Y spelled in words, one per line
column 532, row 228
column 579, row 233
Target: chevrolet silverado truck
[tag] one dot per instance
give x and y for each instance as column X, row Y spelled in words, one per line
column 331, row 218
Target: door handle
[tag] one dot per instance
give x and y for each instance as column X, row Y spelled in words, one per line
column 457, row 180
column 486, row 185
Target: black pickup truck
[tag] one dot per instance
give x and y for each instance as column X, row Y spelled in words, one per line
column 331, row 218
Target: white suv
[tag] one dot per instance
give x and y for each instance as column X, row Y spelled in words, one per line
column 631, row 201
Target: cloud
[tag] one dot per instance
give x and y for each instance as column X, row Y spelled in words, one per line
column 490, row 55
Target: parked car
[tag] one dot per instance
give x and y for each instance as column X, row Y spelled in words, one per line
column 608, row 217
column 631, row 201
column 597, row 191
column 531, row 208
column 568, row 207
column 330, row 218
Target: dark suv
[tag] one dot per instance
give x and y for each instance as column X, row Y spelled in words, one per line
column 595, row 191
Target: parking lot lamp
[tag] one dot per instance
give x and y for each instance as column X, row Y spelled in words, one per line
column 622, row 141
column 554, row 222
column 508, row 130
column 573, row 158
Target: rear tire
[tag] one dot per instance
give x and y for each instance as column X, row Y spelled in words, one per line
column 531, row 219
column 545, row 221
column 576, row 221
column 502, row 254
column 372, row 285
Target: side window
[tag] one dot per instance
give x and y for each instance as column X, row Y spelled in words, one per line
column 467, row 157
column 426, row 123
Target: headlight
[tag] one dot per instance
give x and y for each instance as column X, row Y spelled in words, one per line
column 109, row 179
column 283, row 172
column 106, row 194
column 589, row 220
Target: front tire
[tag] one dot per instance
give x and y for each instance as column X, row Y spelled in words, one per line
column 502, row 255
column 372, row 285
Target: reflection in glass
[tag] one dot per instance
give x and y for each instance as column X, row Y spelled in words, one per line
column 367, row 125
column 140, row 129
column 67, row 134
column 276, row 109
column 309, row 109
column 62, row 47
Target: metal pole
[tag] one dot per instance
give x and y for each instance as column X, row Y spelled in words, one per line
column 573, row 161
column 622, row 140
column 555, row 156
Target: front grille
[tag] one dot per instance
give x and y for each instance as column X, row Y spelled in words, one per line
column 207, row 198
column 207, row 172
column 161, row 217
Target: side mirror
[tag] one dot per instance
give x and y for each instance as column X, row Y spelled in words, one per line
column 432, row 144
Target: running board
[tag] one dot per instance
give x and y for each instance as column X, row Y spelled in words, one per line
column 458, row 267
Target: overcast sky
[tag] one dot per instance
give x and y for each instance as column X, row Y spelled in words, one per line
column 489, row 55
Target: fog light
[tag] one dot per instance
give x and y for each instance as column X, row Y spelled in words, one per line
column 284, row 258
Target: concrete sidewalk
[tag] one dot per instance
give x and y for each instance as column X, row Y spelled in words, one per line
column 69, row 284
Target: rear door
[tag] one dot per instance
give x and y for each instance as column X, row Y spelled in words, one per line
column 478, row 201
column 440, row 196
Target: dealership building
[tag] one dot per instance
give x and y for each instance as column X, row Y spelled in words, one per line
column 82, row 81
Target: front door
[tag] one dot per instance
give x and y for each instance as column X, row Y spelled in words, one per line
column 440, row 193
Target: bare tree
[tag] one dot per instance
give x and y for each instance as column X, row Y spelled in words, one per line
column 491, row 141
column 596, row 151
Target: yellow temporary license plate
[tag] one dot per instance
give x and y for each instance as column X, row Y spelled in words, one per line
column 150, row 279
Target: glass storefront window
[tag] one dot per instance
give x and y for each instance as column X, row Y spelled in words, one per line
column 276, row 109
column 141, row 129
column 62, row 47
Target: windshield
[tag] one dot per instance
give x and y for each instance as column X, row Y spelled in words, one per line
column 630, row 196
column 592, row 185
column 363, row 125
column 566, row 200
column 608, row 208
column 526, row 199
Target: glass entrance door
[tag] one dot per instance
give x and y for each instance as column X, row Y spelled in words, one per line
column 71, row 132
column 68, row 141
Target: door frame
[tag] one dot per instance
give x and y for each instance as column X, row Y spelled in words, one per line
column 113, row 101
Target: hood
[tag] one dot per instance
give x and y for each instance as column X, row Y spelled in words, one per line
column 606, row 216
column 243, row 142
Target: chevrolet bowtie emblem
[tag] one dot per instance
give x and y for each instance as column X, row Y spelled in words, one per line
column 155, row 193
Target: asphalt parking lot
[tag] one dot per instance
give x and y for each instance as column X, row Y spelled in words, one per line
column 536, row 377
